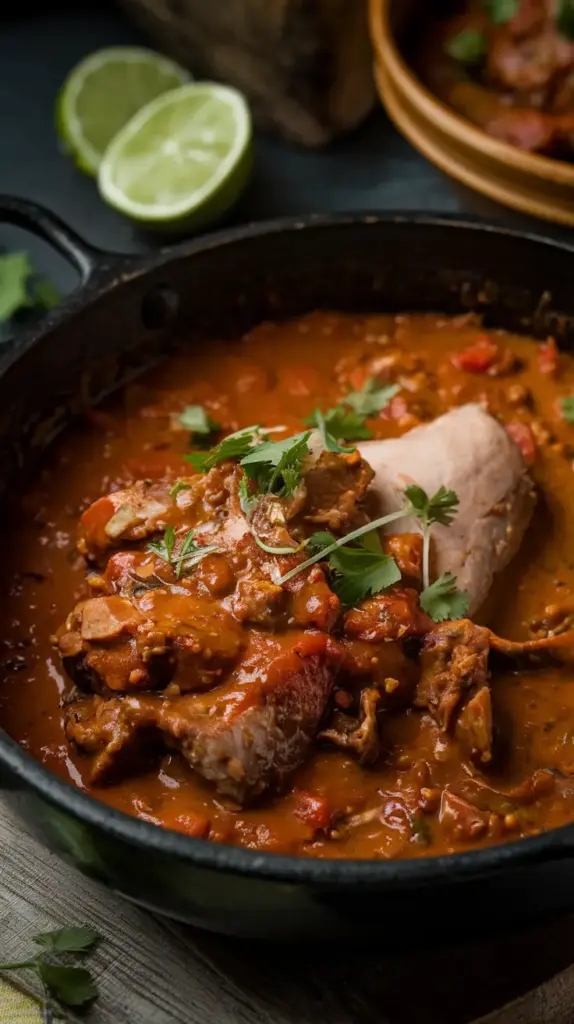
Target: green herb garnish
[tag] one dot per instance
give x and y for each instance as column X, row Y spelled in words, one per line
column 501, row 11
column 443, row 601
column 357, row 571
column 330, row 433
column 163, row 547
column 468, row 47
column 179, row 486
column 371, row 398
column 21, row 288
column 196, row 419
column 247, row 500
column 276, row 465
column 441, row 508
column 440, row 600
column 188, row 556
column 347, row 419
column 232, row 447
column 63, row 985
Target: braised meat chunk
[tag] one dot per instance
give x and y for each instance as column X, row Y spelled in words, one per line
column 243, row 742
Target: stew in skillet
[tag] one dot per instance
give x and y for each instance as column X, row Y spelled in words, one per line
column 202, row 626
column 507, row 65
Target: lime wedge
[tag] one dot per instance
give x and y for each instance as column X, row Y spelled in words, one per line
column 183, row 160
column 103, row 92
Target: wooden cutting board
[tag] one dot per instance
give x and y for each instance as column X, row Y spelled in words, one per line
column 152, row 971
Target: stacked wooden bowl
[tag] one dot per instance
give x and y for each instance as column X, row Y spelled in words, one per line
column 534, row 184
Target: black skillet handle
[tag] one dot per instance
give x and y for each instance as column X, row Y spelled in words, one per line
column 25, row 214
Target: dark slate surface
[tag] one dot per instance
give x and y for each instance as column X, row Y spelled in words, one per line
column 374, row 168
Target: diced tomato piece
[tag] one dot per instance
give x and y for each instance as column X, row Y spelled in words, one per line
column 548, row 357
column 313, row 810
column 395, row 409
column 357, row 377
column 477, row 358
column 192, row 824
column 522, row 435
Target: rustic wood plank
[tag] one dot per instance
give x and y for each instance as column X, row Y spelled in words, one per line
column 153, row 971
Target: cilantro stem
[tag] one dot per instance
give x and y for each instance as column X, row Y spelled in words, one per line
column 277, row 551
column 18, row 966
column 360, row 532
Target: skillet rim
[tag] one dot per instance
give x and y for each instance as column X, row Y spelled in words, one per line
column 352, row 872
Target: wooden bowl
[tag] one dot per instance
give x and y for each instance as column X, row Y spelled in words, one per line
column 533, row 184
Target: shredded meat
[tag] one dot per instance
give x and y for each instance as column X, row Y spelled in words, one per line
column 454, row 669
column 362, row 737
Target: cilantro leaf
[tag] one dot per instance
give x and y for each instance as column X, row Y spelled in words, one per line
column 356, row 571
column 441, row 508
column 267, row 463
column 247, row 500
column 21, row 288
column 371, row 398
column 443, row 601
column 196, row 419
column 330, row 443
column 467, row 47
column 15, row 272
column 567, row 408
column 178, row 486
column 501, row 11
column 234, row 446
column 347, row 420
column 67, row 940
column 164, row 546
column 72, row 986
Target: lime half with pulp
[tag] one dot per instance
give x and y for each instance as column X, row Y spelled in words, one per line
column 183, row 160
column 103, row 92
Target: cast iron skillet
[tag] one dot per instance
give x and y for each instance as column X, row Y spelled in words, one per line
column 126, row 313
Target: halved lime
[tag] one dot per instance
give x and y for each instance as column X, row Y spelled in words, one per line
column 183, row 160
column 103, row 92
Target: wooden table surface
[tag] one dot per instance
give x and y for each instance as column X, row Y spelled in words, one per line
column 151, row 971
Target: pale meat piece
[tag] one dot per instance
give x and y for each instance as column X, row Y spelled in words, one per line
column 243, row 748
column 469, row 452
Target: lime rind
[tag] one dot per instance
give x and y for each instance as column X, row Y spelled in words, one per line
column 73, row 131
column 200, row 206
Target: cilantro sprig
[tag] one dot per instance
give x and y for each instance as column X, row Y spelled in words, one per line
column 234, row 446
column 189, row 555
column 347, row 419
column 63, row 984
column 442, row 597
column 275, row 466
column 441, row 508
column 357, row 571
column 198, row 421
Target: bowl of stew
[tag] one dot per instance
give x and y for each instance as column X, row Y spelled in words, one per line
column 287, row 590
column 482, row 91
